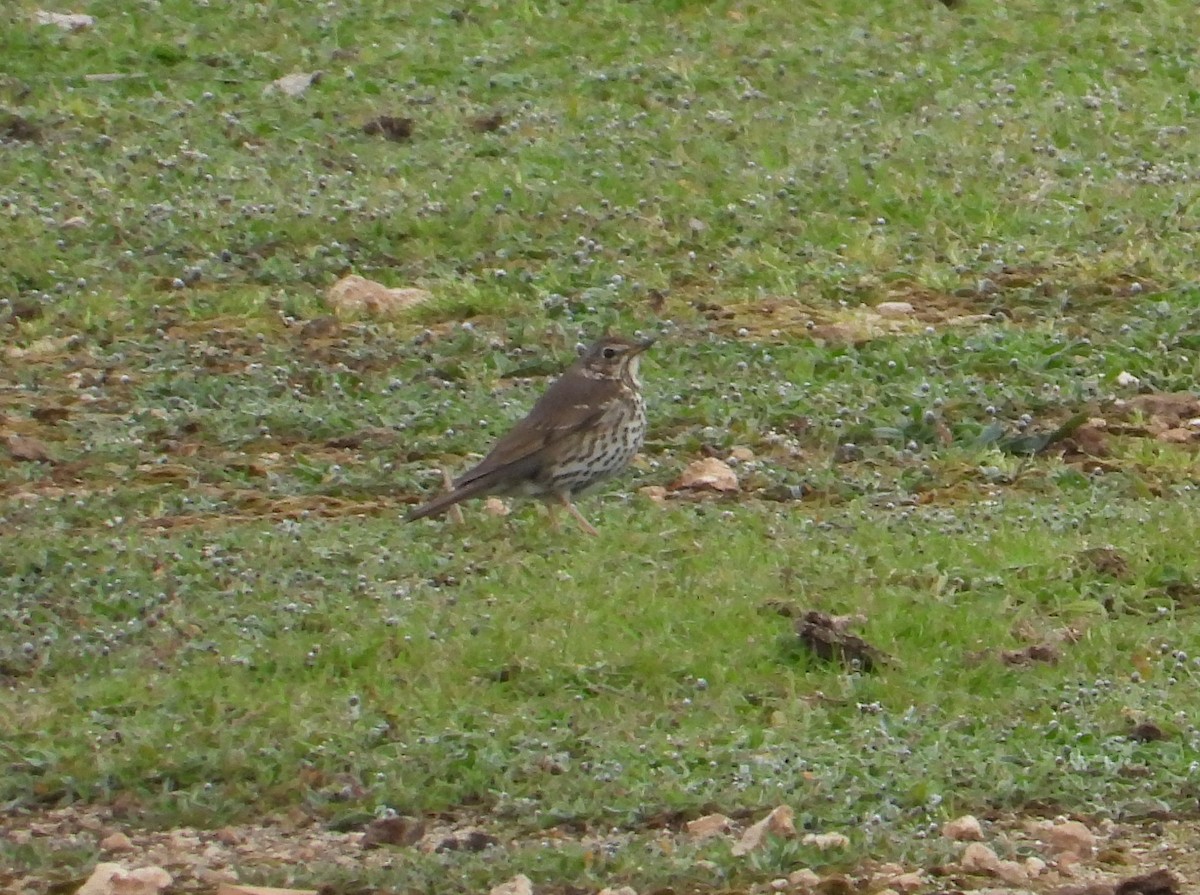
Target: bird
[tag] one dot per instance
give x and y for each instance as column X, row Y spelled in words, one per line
column 583, row 430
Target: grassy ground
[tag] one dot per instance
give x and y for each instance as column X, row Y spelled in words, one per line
column 210, row 613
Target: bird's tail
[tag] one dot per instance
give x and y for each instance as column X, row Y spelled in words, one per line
column 439, row 505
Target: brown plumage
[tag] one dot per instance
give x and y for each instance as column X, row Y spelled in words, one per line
column 583, row 430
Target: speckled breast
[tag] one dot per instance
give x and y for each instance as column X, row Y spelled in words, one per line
column 605, row 449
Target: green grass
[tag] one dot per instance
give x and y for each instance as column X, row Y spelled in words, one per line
column 210, row 613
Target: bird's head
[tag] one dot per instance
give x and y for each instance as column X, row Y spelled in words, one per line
column 615, row 357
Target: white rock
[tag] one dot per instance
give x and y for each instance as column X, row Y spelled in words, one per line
column 894, row 309
column 294, row 84
column 826, row 841
column 113, row 879
column 67, row 21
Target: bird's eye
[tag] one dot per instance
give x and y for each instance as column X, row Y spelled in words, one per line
column 610, row 353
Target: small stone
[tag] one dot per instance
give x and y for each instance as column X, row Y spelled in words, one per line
column 494, row 506
column 396, row 830
column 211, row 877
column 1012, row 872
column 1127, row 380
column 837, row 884
column 708, row 826
column 1175, row 436
column 963, row 829
column 741, row 454
column 67, row 21
column 804, row 878
column 978, row 858
column 294, row 84
column 227, row 836
column 88, row 821
column 518, row 885
column 353, row 294
column 1071, row 836
column 894, row 309
column 623, row 890
column 113, row 879
column 708, row 474
column 908, row 882
column 826, row 841
column 779, row 885
column 27, row 449
column 1067, row 864
column 117, row 841
column 1034, row 866
column 779, row 823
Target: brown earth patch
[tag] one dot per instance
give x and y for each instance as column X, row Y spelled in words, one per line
column 1006, row 292
column 1162, row 857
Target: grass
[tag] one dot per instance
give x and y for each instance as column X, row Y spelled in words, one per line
column 211, row 614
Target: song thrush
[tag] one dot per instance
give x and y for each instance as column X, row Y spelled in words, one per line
column 583, row 430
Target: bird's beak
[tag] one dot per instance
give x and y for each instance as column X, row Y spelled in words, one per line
column 644, row 344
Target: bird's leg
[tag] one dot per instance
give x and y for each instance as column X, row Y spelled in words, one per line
column 455, row 512
column 564, row 500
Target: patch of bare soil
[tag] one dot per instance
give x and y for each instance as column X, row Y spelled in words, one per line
column 1006, row 855
column 889, row 307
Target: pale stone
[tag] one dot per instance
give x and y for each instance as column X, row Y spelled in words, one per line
column 293, row 84
column 113, row 879
column 894, row 309
column 826, row 841
column 67, row 21
column 708, row 826
column 518, row 885
column 908, row 882
column 707, row 474
column 117, row 841
column 978, row 858
column 804, row 878
column 779, row 822
column 1012, row 872
column 963, row 829
column 1071, row 836
column 355, row 294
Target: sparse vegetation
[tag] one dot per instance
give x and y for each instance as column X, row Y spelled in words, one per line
column 210, row 614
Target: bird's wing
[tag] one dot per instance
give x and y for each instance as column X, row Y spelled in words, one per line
column 571, row 404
